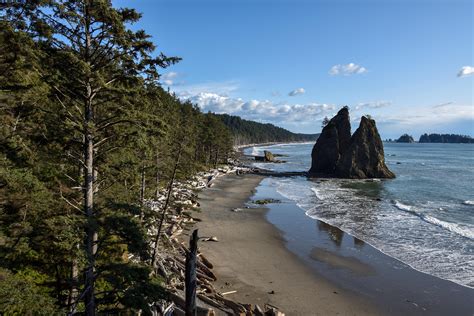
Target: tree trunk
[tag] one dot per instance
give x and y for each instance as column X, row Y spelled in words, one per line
column 165, row 207
column 143, row 186
column 157, row 178
column 91, row 233
column 216, row 157
column 90, row 229
column 73, row 293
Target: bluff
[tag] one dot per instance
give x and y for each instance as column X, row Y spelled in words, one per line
column 360, row 156
column 405, row 138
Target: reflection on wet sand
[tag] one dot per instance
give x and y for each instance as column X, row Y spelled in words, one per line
column 358, row 242
column 334, row 233
column 337, row 261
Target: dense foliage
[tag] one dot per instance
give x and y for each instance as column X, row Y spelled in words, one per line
column 250, row 132
column 445, row 138
column 86, row 135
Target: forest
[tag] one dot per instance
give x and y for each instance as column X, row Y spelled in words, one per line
column 250, row 132
column 87, row 135
column 445, row 138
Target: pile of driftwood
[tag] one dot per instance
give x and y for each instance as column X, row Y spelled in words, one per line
column 172, row 268
column 175, row 204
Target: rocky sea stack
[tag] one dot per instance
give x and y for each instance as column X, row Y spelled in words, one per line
column 338, row 154
column 405, row 138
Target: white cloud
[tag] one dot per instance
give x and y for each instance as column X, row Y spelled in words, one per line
column 466, row 71
column 297, row 92
column 347, row 70
column 424, row 119
column 260, row 110
column 169, row 78
column 372, row 105
column 222, row 88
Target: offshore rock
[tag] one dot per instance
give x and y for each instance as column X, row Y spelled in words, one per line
column 338, row 154
column 365, row 156
column 405, row 138
column 268, row 156
column 331, row 144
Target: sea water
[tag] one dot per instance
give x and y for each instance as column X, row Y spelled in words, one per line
column 424, row 217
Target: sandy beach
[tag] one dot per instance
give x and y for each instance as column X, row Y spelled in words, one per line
column 251, row 258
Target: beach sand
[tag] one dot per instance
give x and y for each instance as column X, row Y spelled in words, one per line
column 251, row 258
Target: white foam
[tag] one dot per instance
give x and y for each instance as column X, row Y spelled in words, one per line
column 256, row 151
column 403, row 207
column 455, row 228
column 452, row 227
column 318, row 194
column 468, row 202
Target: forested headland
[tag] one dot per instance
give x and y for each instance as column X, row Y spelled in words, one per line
column 87, row 134
column 445, row 138
column 250, row 132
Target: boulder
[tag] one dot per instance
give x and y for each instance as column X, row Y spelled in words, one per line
column 268, row 156
column 331, row 144
column 365, row 156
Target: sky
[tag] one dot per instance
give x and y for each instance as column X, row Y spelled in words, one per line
column 407, row 63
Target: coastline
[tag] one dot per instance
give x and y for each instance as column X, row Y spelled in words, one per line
column 252, row 259
column 259, row 256
column 278, row 255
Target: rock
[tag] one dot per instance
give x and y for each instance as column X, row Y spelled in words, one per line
column 361, row 156
column 365, row 156
column 266, row 201
column 405, row 138
column 334, row 139
column 268, row 156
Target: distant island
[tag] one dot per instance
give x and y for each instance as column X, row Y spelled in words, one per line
column 446, row 138
column 250, row 132
column 405, row 138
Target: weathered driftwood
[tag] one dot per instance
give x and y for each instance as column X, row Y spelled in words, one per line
column 205, row 261
column 170, row 263
column 236, row 307
column 179, row 300
column 191, row 275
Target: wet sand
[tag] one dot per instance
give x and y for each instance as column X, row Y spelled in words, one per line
column 251, row 258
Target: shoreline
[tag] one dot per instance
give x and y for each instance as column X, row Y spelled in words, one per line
column 339, row 274
column 251, row 257
column 395, row 287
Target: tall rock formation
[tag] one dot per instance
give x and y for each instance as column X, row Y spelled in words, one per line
column 329, row 147
column 365, row 156
column 338, row 154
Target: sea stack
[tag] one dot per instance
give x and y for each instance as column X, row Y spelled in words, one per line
column 334, row 139
column 405, row 138
column 338, row 154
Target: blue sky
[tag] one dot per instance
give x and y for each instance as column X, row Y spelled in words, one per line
column 293, row 62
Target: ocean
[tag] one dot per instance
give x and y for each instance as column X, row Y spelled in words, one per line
column 423, row 218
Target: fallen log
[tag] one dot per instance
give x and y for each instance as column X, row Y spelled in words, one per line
column 181, row 303
column 205, row 261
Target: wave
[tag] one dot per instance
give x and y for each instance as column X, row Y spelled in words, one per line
column 468, row 202
column 452, row 227
column 256, row 151
column 318, row 194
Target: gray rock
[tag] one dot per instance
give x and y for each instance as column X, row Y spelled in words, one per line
column 365, row 156
column 331, row 144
